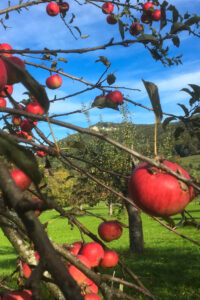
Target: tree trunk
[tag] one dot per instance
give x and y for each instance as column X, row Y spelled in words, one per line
column 136, row 239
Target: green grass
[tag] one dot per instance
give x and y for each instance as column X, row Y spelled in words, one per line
column 169, row 266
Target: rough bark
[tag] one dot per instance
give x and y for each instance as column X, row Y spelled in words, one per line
column 136, row 240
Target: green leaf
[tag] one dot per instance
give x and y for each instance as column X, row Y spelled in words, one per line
column 196, row 89
column 72, row 19
column 193, row 20
column 163, row 21
column 121, row 28
column 77, row 28
column 152, row 91
column 176, row 41
column 30, row 83
column 167, row 121
column 187, row 91
column 23, row 158
column 186, row 111
column 104, row 61
column 177, row 27
column 54, row 64
column 62, row 59
column 174, row 12
column 111, row 79
column 178, row 132
column 147, row 38
column 102, row 102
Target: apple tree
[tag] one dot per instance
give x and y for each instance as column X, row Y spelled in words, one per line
column 157, row 27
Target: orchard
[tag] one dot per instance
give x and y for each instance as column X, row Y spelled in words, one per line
column 63, row 67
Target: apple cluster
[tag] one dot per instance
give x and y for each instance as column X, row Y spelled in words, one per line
column 149, row 15
column 91, row 255
column 53, row 8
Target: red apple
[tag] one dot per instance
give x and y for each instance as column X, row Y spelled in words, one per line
column 148, row 7
column 16, row 120
column 110, row 259
column 76, row 273
column 9, row 89
column 3, row 102
column 24, row 135
column 157, row 192
column 34, row 108
column 21, row 179
column 136, row 29
column 18, row 295
column 76, row 247
column 54, row 81
column 52, row 9
column 64, row 7
column 3, row 75
column 26, row 125
column 92, row 296
column 94, row 252
column 115, row 96
column 91, row 287
column 12, row 75
column 41, row 153
column 107, row 7
column 111, row 20
column 37, row 212
column 110, row 230
column 5, row 46
column 156, row 15
column 26, row 270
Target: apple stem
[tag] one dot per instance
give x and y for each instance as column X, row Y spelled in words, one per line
column 155, row 138
column 56, row 144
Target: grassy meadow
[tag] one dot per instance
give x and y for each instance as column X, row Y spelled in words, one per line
column 169, row 267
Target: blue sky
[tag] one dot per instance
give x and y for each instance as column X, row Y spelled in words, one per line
column 34, row 29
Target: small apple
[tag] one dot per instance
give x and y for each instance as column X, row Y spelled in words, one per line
column 158, row 193
column 26, row 125
column 38, row 213
column 92, row 296
column 94, row 252
column 146, row 19
column 110, row 259
column 18, row 295
column 26, row 270
column 111, row 20
column 52, row 9
column 5, row 46
column 148, row 7
column 9, row 89
column 25, row 135
column 3, row 75
column 54, row 81
column 34, row 108
column 3, row 102
column 76, row 247
column 110, row 230
column 16, row 120
column 76, row 273
column 107, row 7
column 12, row 75
column 156, row 15
column 136, row 29
column 115, row 96
column 64, row 7
column 41, row 153
column 21, row 179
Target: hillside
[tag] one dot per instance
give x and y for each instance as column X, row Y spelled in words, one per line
column 182, row 146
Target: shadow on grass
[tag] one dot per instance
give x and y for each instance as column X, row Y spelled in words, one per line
column 168, row 273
